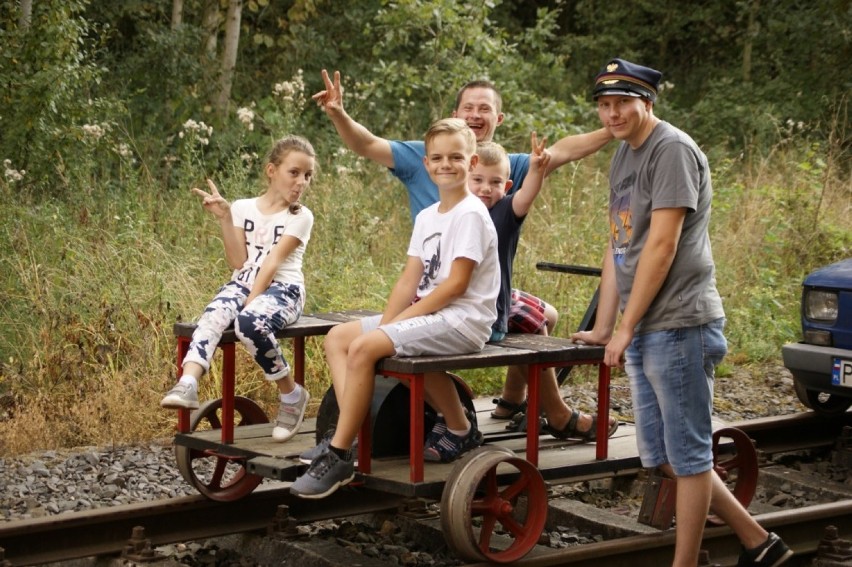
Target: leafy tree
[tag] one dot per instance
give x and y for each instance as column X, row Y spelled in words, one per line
column 48, row 88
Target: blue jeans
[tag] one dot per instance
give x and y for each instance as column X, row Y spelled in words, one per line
column 671, row 380
column 280, row 305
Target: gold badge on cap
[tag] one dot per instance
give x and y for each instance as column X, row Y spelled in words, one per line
column 612, row 67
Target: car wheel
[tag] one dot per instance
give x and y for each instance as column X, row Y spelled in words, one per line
column 823, row 403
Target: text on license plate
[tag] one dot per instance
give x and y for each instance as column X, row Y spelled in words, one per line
column 841, row 373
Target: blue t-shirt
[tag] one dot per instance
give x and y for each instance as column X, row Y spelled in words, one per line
column 422, row 192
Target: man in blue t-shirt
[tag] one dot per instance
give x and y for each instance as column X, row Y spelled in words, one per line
column 479, row 104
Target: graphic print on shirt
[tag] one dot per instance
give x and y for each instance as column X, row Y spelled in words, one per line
column 431, row 249
column 257, row 247
column 620, row 217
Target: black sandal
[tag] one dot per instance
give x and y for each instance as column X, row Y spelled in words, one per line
column 570, row 430
column 514, row 409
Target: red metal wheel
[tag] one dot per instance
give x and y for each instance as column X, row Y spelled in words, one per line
column 492, row 486
column 219, row 476
column 738, row 470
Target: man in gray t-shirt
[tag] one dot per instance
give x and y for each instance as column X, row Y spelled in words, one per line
column 659, row 273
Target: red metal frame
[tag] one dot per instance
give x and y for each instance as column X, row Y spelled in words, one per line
column 416, row 402
column 229, row 382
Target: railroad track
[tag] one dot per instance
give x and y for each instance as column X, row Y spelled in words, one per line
column 135, row 529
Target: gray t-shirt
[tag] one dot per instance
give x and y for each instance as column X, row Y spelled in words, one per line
column 667, row 171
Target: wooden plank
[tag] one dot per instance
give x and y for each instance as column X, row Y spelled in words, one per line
column 514, row 349
column 308, row 325
column 491, row 355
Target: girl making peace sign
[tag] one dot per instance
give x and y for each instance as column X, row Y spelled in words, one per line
column 265, row 239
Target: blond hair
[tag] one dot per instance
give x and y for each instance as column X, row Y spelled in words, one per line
column 452, row 126
column 492, row 153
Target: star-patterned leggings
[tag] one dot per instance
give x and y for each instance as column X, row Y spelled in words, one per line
column 255, row 325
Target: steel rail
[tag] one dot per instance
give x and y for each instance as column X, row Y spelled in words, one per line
column 801, row 529
column 106, row 531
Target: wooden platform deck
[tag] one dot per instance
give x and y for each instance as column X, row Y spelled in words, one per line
column 558, row 459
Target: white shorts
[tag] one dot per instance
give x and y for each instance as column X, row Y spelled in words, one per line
column 428, row 334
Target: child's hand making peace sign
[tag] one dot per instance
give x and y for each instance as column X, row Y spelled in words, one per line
column 213, row 201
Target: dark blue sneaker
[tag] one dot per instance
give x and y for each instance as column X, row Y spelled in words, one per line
column 327, row 473
column 450, row 446
column 771, row 553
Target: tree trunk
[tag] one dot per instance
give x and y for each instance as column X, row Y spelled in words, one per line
column 26, row 15
column 229, row 55
column 751, row 32
column 177, row 13
column 210, row 23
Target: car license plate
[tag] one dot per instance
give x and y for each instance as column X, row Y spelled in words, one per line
column 841, row 373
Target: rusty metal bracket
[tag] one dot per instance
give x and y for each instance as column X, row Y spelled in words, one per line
column 658, row 503
column 417, row 509
column 138, row 548
column 283, row 524
column 833, row 551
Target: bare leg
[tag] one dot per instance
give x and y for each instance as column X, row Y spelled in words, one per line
column 693, row 503
column 363, row 354
column 442, row 395
column 515, row 385
column 336, row 346
column 193, row 369
column 724, row 505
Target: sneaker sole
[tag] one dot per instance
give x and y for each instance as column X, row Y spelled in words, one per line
column 783, row 558
column 328, row 492
column 307, row 462
column 178, row 404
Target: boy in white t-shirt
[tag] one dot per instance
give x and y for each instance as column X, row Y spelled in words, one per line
column 443, row 303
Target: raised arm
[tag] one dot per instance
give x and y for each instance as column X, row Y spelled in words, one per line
column 539, row 160
column 356, row 137
column 577, row 146
column 232, row 237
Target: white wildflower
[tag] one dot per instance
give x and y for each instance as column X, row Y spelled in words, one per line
column 95, row 131
column 246, row 116
column 12, row 175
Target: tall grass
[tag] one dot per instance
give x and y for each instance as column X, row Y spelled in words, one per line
column 91, row 285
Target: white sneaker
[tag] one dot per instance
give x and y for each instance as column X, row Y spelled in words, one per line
column 182, row 396
column 290, row 417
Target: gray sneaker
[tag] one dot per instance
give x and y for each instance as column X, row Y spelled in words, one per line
column 290, row 417
column 308, row 456
column 182, row 396
column 326, row 474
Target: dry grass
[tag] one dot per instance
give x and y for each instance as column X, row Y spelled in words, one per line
column 92, row 288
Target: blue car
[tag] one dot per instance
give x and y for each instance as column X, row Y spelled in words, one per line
column 821, row 363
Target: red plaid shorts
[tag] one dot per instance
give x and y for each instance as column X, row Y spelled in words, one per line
column 526, row 314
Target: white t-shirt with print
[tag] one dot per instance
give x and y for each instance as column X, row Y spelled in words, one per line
column 263, row 232
column 465, row 231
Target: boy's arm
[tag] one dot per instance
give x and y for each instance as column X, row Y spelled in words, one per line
column 404, row 290
column 447, row 291
column 577, row 146
column 282, row 249
column 356, row 137
column 539, row 160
